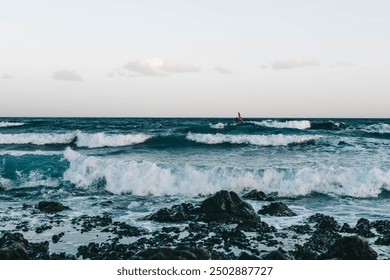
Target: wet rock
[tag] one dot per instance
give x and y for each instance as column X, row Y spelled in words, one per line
column 62, row 256
column 225, row 206
column 13, row 246
column 105, row 251
column 346, row 228
column 51, row 206
column 177, row 213
column 382, row 226
column 363, row 228
column 301, row 229
column 246, row 256
column 178, row 253
column 384, row 240
column 56, row 238
column 278, row 209
column 304, row 253
column 257, row 195
column 350, row 248
column 42, row 228
column 324, row 222
column 278, row 254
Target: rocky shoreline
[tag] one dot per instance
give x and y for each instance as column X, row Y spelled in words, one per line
column 223, row 226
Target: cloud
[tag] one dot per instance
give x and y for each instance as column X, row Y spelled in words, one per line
column 294, row 63
column 222, row 70
column 66, row 75
column 158, row 67
column 6, row 76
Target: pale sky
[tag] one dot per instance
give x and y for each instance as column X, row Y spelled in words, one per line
column 279, row 58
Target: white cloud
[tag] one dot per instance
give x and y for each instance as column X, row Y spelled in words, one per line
column 66, row 75
column 294, row 63
column 6, row 76
column 159, row 67
column 222, row 70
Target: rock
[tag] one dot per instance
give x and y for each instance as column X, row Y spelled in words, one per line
column 246, row 256
column 55, row 238
column 346, row 228
column 257, row 195
column 177, row 213
column 51, row 206
column 179, row 253
column 324, row 222
column 350, row 248
column 304, row 253
column 382, row 226
column 224, row 206
column 13, row 246
column 363, row 228
column 278, row 254
column 227, row 207
column 42, row 228
column 278, row 209
column 301, row 229
column 385, row 240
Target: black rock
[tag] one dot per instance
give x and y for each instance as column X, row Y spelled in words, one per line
column 346, row 228
column 363, row 228
column 277, row 209
column 246, row 256
column 227, row 206
column 179, row 253
column 301, row 229
column 382, row 226
column 42, row 228
column 177, row 213
column 13, row 246
column 350, row 248
column 304, row 253
column 324, row 222
column 385, row 240
column 278, row 254
column 256, row 195
column 51, row 206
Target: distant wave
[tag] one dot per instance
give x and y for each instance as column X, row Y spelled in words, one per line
column 37, row 138
column 147, row 178
column 96, row 140
column 218, row 125
column 9, row 124
column 381, row 128
column 258, row 140
column 287, row 124
column 93, row 140
column 328, row 125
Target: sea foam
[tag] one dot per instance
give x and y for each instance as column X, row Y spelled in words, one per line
column 101, row 139
column 9, row 124
column 147, row 178
column 37, row 138
column 304, row 124
column 380, row 128
column 258, row 140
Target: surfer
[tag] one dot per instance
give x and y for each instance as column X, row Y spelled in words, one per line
column 239, row 118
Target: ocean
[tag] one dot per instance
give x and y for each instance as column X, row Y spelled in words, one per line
column 128, row 168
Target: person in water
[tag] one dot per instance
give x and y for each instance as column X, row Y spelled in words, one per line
column 239, row 118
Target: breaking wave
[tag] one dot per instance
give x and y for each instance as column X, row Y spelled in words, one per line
column 380, row 128
column 9, row 124
column 96, row 140
column 287, row 124
column 257, row 140
column 147, row 178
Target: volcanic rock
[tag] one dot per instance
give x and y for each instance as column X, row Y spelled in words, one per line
column 277, row 209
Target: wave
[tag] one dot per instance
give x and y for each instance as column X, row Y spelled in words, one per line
column 329, row 125
column 81, row 139
column 147, row 178
column 101, row 139
column 9, row 124
column 287, row 124
column 380, row 128
column 257, row 140
column 25, row 153
column 218, row 125
column 30, row 180
column 37, row 138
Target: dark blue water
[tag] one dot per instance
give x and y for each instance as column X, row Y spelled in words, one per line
column 339, row 167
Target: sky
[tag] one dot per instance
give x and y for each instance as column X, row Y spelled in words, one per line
column 172, row 58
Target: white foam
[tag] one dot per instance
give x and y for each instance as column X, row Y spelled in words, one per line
column 101, row 139
column 258, row 140
column 24, row 153
column 146, row 178
column 37, row 138
column 287, row 124
column 381, row 128
column 218, row 125
column 30, row 180
column 9, row 124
